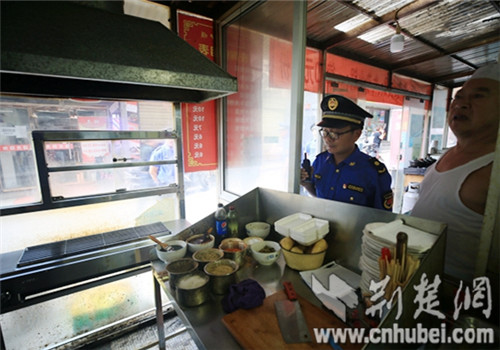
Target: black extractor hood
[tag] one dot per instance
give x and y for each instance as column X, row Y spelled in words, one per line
column 70, row 49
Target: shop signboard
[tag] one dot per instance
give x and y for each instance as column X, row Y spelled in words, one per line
column 199, row 127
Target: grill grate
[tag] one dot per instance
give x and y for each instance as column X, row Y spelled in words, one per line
column 43, row 252
column 84, row 244
column 61, row 249
column 120, row 236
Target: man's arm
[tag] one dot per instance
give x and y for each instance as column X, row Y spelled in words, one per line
column 153, row 171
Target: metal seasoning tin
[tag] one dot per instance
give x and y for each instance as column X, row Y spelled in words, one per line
column 222, row 274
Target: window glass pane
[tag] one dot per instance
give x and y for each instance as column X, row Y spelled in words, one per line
column 20, row 115
column 438, row 120
column 18, row 176
column 74, row 183
column 258, row 116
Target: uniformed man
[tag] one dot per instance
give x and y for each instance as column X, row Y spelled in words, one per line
column 342, row 172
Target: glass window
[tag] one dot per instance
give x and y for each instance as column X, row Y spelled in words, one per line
column 19, row 116
column 69, row 183
column 257, row 121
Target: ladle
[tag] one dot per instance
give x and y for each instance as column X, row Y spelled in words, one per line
column 162, row 244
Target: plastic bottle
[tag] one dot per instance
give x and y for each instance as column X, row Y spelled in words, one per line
column 410, row 197
column 232, row 221
column 221, row 221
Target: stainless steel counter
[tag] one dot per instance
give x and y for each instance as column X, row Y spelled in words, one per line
column 205, row 321
column 346, row 224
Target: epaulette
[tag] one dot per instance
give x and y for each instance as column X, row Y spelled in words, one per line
column 378, row 165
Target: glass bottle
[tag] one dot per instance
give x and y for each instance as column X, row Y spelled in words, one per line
column 232, row 218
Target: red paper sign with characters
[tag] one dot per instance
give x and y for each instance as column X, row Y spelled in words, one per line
column 199, row 127
column 281, row 66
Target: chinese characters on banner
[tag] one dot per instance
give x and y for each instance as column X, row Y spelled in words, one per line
column 244, row 60
column 199, row 126
column 281, row 66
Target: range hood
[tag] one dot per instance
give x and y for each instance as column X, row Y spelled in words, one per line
column 69, row 49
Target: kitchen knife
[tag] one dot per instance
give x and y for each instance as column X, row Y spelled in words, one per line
column 292, row 323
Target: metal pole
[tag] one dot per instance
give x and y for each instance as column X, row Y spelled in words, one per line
column 159, row 315
column 297, row 94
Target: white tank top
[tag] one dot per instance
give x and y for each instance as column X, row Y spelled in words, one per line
column 439, row 200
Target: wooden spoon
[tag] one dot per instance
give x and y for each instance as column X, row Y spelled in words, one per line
column 208, row 233
column 163, row 245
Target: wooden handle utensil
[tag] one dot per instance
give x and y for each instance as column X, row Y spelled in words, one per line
column 156, row 240
column 401, row 249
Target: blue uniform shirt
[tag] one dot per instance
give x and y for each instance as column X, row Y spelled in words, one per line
column 359, row 179
column 166, row 172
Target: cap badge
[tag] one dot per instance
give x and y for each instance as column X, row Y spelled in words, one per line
column 332, row 103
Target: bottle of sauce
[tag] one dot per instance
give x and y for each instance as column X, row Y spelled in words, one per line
column 220, row 222
column 232, row 220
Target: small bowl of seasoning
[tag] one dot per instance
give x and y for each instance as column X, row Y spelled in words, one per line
column 235, row 250
column 266, row 252
column 200, row 241
column 204, row 256
column 175, row 250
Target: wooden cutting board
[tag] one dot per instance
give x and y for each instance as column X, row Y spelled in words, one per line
column 258, row 328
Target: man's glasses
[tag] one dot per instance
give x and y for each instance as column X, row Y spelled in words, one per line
column 333, row 135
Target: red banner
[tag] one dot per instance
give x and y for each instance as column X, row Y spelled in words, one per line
column 199, row 125
column 281, row 66
column 244, row 52
column 356, row 70
column 313, row 73
column 200, row 136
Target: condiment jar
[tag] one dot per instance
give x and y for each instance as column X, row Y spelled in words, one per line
column 222, row 275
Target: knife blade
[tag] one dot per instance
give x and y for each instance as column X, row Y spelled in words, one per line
column 292, row 323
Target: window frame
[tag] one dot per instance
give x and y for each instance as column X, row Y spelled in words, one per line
column 49, row 202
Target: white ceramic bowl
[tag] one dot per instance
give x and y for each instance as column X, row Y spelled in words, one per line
column 171, row 255
column 266, row 258
column 258, row 229
column 194, row 242
column 251, row 240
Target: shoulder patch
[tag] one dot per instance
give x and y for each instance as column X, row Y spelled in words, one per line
column 388, row 200
column 378, row 165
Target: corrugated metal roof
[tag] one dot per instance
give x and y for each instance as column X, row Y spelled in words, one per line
column 445, row 40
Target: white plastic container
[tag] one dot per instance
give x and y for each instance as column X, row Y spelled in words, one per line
column 410, row 197
column 284, row 225
column 310, row 231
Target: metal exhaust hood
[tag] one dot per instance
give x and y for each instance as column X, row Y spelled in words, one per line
column 68, row 49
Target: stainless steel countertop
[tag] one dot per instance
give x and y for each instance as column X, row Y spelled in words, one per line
column 206, row 319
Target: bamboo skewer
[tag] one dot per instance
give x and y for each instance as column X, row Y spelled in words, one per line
column 400, row 267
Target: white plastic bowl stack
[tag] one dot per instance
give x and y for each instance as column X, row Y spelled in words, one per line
column 302, row 228
column 310, row 231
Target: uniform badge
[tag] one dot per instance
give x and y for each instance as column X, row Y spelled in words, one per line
column 379, row 166
column 332, row 103
column 352, row 163
column 388, row 200
column 353, row 188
